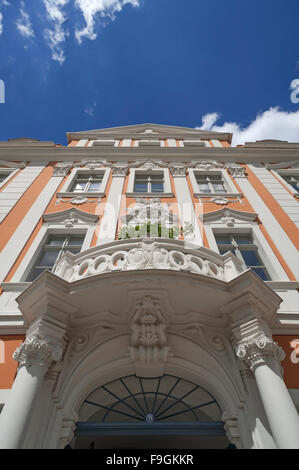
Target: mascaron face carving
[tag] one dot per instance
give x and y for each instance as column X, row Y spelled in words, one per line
column 148, row 338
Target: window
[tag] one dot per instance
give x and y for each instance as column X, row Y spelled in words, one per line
column 245, row 249
column 149, row 183
column 51, row 252
column 293, row 180
column 87, row 183
column 3, row 177
column 210, row 183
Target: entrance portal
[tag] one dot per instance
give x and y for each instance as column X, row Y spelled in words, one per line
column 164, row 412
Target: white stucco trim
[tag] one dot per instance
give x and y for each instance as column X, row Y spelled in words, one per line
column 82, row 143
column 111, row 213
column 280, row 173
column 4, row 394
column 167, row 183
column 79, row 171
column 18, row 240
column 186, row 209
column 231, row 188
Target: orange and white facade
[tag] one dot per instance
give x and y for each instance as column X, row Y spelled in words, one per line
column 140, row 255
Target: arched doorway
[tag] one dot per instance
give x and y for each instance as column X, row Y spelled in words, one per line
column 162, row 412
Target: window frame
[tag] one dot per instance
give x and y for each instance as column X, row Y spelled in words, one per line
column 54, row 227
column 9, row 172
column 61, row 250
column 228, row 184
column 243, row 227
column 238, row 251
column 291, row 172
column 167, row 192
column 66, row 190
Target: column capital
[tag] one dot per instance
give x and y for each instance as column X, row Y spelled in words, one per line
column 38, row 350
column 255, row 351
column 62, row 169
column 120, row 170
column 178, row 171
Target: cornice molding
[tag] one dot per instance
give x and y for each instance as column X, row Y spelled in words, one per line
column 168, row 154
column 280, row 166
column 12, row 165
column 159, row 131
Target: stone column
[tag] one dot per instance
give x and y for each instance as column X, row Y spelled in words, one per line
column 262, row 356
column 35, row 356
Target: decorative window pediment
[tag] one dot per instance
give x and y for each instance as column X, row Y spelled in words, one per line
column 70, row 218
column 229, row 217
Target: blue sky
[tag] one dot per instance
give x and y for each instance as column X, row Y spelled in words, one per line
column 71, row 65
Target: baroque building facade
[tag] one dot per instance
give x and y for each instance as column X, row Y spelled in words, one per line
column 149, row 291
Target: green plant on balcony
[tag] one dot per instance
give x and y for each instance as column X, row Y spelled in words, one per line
column 154, row 230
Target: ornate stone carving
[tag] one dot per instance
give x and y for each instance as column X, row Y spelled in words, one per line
column 149, row 337
column 80, row 199
column 206, row 165
column 37, row 350
column 92, row 164
column 71, row 220
column 228, row 219
column 62, row 169
column 237, row 171
column 178, row 171
column 224, row 201
column 254, row 351
column 120, row 169
column 147, row 256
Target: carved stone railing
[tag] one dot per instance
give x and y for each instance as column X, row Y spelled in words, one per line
column 147, row 254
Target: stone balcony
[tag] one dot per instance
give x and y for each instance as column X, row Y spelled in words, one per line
column 148, row 254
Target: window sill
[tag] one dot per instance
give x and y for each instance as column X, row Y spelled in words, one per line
column 136, row 195
column 211, row 195
column 81, row 193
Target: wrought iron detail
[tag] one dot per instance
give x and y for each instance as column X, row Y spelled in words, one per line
column 150, row 400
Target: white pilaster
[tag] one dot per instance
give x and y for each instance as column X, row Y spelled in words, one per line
column 185, row 205
column 109, row 221
column 15, row 190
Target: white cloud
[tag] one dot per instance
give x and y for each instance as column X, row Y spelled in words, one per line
column 91, row 110
column 56, row 31
column 271, row 124
column 105, row 8
column 56, row 36
column 24, row 24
